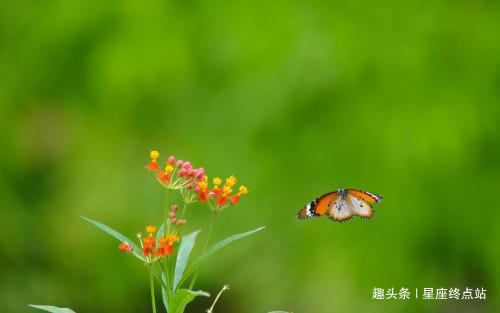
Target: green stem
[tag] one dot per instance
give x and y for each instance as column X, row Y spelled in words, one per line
column 183, row 210
column 166, row 214
column 212, row 225
column 151, row 283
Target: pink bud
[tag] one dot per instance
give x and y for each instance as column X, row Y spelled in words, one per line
column 180, row 163
column 200, row 174
column 197, row 189
column 174, row 207
column 187, row 164
column 174, row 220
column 171, row 160
column 181, row 222
column 190, row 171
column 171, row 214
column 182, row 172
column 212, row 194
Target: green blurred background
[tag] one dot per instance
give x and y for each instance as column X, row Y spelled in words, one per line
column 400, row 98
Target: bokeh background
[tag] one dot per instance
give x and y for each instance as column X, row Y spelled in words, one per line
column 400, row 98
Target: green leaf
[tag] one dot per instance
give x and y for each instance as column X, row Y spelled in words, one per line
column 228, row 240
column 160, row 232
column 214, row 248
column 182, row 297
column 113, row 233
column 164, row 291
column 50, row 308
column 185, row 248
column 157, row 271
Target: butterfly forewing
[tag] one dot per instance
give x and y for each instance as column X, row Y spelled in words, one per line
column 319, row 206
column 364, row 195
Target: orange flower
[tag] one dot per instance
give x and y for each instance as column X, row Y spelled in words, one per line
column 125, row 247
column 147, row 250
column 163, row 176
column 164, row 241
column 149, row 241
column 235, row 198
column 243, row 190
column 226, row 190
column 149, row 244
column 221, row 200
column 164, row 250
column 203, row 190
column 153, row 165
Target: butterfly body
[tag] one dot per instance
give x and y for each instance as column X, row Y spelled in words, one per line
column 341, row 205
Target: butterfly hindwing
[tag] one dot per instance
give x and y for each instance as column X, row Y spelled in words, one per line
column 341, row 211
column 359, row 206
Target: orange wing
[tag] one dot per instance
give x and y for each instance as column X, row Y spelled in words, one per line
column 365, row 196
column 319, row 207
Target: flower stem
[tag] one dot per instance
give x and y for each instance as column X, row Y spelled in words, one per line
column 211, row 310
column 151, row 283
column 166, row 214
column 210, row 230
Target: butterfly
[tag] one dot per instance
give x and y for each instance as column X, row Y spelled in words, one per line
column 341, row 205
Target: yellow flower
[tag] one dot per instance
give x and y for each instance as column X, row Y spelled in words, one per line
column 217, row 181
column 154, row 154
column 203, row 185
column 243, row 190
column 169, row 169
column 173, row 238
column 231, row 181
column 226, row 190
column 150, row 229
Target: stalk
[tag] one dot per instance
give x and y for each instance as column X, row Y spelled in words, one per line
column 151, row 283
column 211, row 310
column 166, row 214
column 212, row 225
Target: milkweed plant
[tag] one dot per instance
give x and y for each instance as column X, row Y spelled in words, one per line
column 165, row 248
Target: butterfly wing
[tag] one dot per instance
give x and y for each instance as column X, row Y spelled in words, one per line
column 364, row 195
column 319, row 206
column 341, row 211
column 359, row 206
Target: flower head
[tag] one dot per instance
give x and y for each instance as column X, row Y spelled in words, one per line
column 150, row 229
column 153, row 165
column 125, row 247
column 231, row 181
column 171, row 160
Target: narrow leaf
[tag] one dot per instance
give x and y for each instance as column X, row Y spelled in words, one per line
column 113, row 233
column 160, row 232
column 228, row 240
column 182, row 297
column 50, row 308
column 164, row 292
column 185, row 248
column 216, row 247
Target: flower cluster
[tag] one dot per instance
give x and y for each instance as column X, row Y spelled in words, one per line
column 222, row 194
column 152, row 250
column 173, row 218
column 177, row 174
